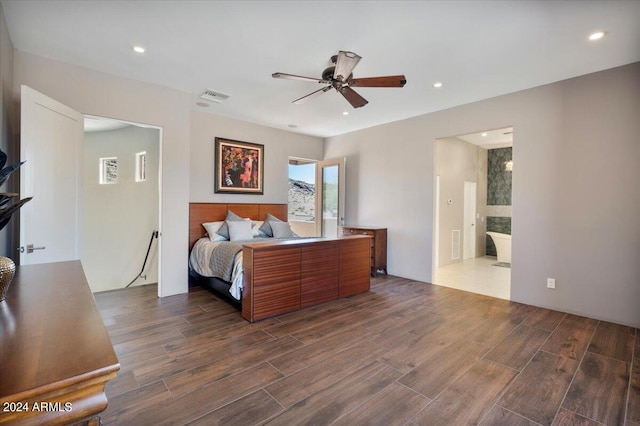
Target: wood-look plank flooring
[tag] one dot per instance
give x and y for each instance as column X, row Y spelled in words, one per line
column 405, row 353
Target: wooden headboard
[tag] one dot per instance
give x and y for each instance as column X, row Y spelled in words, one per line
column 200, row 213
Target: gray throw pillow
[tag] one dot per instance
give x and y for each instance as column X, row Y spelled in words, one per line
column 240, row 230
column 282, row 230
column 224, row 229
column 266, row 227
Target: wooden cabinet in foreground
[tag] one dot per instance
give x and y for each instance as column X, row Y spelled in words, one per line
column 55, row 353
column 378, row 245
column 284, row 276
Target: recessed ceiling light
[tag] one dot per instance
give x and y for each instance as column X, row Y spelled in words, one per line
column 596, row 36
column 138, row 49
column 202, row 104
column 437, row 84
column 345, row 113
column 484, row 134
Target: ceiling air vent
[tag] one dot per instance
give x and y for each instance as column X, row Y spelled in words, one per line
column 213, row 96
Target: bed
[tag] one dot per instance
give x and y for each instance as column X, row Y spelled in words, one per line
column 276, row 276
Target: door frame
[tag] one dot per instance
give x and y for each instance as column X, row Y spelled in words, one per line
column 160, row 139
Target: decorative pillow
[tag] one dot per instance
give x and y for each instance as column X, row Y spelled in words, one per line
column 266, row 226
column 239, row 230
column 282, row 230
column 257, row 233
column 224, row 229
column 218, row 237
column 212, row 230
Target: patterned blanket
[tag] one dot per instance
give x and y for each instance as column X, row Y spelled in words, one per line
column 223, row 257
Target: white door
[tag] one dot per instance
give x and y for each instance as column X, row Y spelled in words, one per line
column 51, row 136
column 330, row 195
column 469, row 244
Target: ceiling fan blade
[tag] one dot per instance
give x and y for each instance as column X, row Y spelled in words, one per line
column 345, row 63
column 354, row 99
column 311, row 95
column 298, row 77
column 386, row 81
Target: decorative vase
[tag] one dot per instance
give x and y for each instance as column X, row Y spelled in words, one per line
column 7, row 270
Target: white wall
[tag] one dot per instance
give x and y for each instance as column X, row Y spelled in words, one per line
column 575, row 199
column 119, row 218
column 100, row 94
column 457, row 161
column 278, row 147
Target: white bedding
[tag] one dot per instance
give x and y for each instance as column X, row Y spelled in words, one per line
column 199, row 261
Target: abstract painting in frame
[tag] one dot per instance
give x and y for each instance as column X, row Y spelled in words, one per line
column 239, row 167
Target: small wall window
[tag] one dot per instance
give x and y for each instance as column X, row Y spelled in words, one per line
column 108, row 170
column 141, row 166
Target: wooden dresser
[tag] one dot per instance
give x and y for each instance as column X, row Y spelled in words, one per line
column 378, row 245
column 55, row 353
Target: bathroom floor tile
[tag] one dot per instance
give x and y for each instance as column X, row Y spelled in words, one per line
column 477, row 275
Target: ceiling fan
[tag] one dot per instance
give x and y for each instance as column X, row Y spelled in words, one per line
column 339, row 76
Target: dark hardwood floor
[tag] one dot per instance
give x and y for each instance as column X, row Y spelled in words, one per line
column 405, row 353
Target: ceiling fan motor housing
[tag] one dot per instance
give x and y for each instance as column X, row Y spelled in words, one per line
column 327, row 74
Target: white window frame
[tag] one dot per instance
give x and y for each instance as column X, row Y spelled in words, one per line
column 141, row 166
column 104, row 167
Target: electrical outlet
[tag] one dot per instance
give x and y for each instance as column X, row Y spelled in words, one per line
column 551, row 283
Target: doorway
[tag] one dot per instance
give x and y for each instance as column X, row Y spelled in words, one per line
column 316, row 196
column 121, row 208
column 52, row 144
column 302, row 197
column 472, row 171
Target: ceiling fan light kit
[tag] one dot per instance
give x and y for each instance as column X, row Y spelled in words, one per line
column 340, row 77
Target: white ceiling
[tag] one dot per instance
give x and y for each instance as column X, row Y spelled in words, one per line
column 490, row 139
column 477, row 49
column 101, row 124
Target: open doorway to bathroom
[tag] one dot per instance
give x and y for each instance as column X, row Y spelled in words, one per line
column 121, row 208
column 472, row 202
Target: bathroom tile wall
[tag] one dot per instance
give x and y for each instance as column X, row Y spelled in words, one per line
column 498, row 195
column 498, row 179
column 499, row 211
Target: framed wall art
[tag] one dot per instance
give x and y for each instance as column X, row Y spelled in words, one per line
column 239, row 167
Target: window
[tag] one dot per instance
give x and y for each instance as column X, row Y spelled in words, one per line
column 302, row 196
column 108, row 170
column 141, row 166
